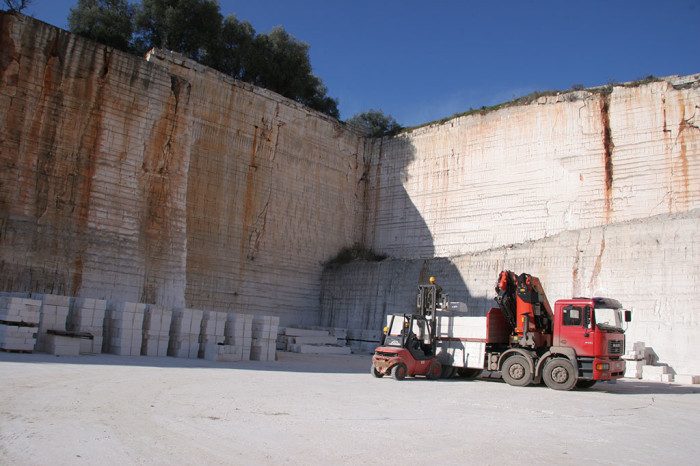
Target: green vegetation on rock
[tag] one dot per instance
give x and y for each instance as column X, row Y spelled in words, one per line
column 197, row 29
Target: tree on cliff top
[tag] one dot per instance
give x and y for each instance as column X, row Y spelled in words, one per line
column 190, row 27
column 196, row 29
column 17, row 5
column 107, row 21
column 279, row 62
column 375, row 123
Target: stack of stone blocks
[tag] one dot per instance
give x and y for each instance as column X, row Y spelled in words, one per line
column 123, row 328
column 643, row 363
column 212, row 334
column 316, row 340
column 185, row 327
column 264, row 338
column 156, row 331
column 53, row 316
column 87, row 316
column 19, row 322
column 238, row 338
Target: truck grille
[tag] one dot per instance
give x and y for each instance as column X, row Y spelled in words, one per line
column 615, row 347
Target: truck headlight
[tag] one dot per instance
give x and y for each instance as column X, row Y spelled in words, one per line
column 602, row 366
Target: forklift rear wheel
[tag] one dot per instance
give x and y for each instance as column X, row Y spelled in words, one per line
column 434, row 371
column 516, row 371
column 559, row 374
column 469, row 374
column 399, row 371
column 447, row 372
column 373, row 370
column 585, row 383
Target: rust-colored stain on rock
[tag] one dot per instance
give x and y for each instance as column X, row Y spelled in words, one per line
column 248, row 199
column 683, row 127
column 608, row 147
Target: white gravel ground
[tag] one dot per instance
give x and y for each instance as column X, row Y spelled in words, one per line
column 323, row 410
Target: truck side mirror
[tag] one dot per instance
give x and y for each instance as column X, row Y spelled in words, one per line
column 628, row 316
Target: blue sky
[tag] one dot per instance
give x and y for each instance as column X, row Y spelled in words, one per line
column 424, row 60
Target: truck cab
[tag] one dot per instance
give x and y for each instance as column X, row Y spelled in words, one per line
column 593, row 329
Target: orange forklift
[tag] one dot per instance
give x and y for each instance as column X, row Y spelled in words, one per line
column 411, row 352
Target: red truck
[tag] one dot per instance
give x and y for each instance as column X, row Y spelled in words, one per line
column 576, row 344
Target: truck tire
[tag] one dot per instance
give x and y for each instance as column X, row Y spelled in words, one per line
column 560, row 374
column 516, row 371
column 399, row 371
column 434, row 371
column 585, row 383
column 373, row 370
column 467, row 373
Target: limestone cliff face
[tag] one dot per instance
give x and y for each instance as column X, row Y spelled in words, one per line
column 94, row 155
column 159, row 180
column 128, row 179
column 597, row 193
column 522, row 173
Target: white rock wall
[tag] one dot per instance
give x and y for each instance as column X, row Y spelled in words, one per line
column 526, row 172
column 651, row 266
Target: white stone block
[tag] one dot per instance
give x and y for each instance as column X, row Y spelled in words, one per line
column 687, row 379
column 314, row 349
column 301, row 332
column 316, row 340
column 60, row 345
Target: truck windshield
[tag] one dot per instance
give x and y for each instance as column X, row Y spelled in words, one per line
column 608, row 319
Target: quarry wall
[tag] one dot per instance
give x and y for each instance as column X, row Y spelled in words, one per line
column 164, row 182
column 597, row 192
column 158, row 180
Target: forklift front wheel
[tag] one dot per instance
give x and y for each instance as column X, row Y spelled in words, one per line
column 399, row 371
column 373, row 370
column 434, row 371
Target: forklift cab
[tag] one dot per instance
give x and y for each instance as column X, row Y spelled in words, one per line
column 413, row 333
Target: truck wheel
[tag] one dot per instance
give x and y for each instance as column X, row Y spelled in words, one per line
column 560, row 374
column 516, row 371
column 469, row 374
column 434, row 371
column 373, row 370
column 399, row 371
column 585, row 383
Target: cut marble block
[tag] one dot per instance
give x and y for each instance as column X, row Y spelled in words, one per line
column 185, row 329
column 61, row 345
column 315, row 349
column 156, row 331
column 633, row 369
column 53, row 315
column 20, row 310
column 302, row 332
column 687, row 379
column 123, row 329
column 17, row 338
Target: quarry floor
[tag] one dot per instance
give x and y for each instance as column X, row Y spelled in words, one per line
column 306, row 409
